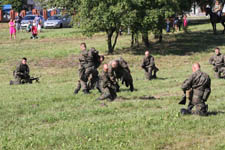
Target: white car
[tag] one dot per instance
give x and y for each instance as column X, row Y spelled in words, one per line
column 58, row 21
column 30, row 18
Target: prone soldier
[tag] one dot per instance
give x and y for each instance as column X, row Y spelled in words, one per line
column 199, row 87
column 118, row 69
column 107, row 86
column 148, row 65
column 218, row 61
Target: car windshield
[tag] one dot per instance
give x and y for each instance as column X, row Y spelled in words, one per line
column 29, row 18
column 54, row 18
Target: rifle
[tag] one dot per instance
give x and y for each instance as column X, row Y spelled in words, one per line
column 34, row 79
column 183, row 100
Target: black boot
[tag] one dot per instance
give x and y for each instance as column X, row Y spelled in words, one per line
column 131, row 87
column 11, row 82
column 76, row 91
column 86, row 91
column 117, row 88
column 154, row 76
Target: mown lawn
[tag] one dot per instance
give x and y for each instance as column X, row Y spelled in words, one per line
column 49, row 116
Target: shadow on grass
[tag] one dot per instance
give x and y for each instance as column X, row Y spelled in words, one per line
column 181, row 44
column 214, row 113
column 136, row 98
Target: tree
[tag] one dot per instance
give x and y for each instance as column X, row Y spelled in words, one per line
column 149, row 16
column 106, row 16
column 141, row 16
column 17, row 5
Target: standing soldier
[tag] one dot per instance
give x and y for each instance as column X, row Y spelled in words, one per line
column 107, row 86
column 148, row 65
column 118, row 69
column 21, row 73
column 218, row 61
column 94, row 77
column 87, row 69
column 82, row 82
column 199, row 86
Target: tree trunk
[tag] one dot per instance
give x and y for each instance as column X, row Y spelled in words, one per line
column 136, row 41
column 145, row 38
column 115, row 40
column 132, row 39
column 111, row 46
column 160, row 35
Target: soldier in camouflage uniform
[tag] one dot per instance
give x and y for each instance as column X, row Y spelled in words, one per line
column 200, row 85
column 107, row 86
column 21, row 73
column 94, row 78
column 148, row 65
column 87, row 69
column 118, row 69
column 218, row 61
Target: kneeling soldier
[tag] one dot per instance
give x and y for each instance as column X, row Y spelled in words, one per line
column 200, row 85
column 21, row 73
column 107, row 86
column 218, row 61
column 148, row 65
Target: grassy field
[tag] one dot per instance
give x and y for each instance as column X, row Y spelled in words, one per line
column 48, row 116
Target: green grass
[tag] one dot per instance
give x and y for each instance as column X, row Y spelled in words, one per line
column 48, row 115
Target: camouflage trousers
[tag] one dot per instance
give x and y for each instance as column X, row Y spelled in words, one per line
column 150, row 72
column 195, row 100
column 88, row 78
column 108, row 93
column 219, row 71
column 20, row 80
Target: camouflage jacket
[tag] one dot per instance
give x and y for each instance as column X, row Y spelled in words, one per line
column 89, row 58
column 117, row 72
column 22, row 69
column 217, row 60
column 106, row 81
column 148, row 62
column 197, row 81
column 83, row 58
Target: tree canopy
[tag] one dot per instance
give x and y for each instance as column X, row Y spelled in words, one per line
column 17, row 5
column 140, row 16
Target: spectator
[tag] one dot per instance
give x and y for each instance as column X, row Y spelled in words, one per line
column 167, row 25
column 29, row 27
column 185, row 23
column 34, row 31
column 12, row 29
column 175, row 24
column 39, row 26
column 18, row 22
column 37, row 20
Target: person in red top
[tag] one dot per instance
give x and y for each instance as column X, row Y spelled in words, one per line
column 34, row 31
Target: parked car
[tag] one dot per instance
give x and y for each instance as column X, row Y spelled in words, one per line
column 58, row 21
column 25, row 21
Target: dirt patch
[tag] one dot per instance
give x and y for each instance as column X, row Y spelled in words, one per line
column 67, row 62
column 3, row 25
